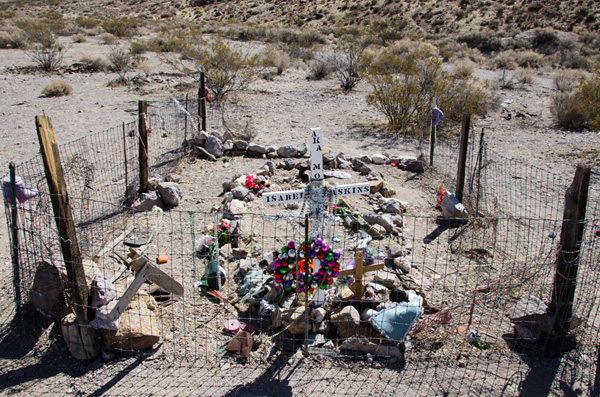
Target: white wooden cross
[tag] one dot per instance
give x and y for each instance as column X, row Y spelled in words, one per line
column 318, row 189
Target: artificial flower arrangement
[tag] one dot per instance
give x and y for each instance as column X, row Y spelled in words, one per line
column 343, row 207
column 253, row 183
column 207, row 249
column 293, row 272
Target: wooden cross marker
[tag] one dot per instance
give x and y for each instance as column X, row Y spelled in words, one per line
column 358, row 272
column 318, row 189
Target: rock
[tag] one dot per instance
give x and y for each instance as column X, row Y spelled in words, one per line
column 420, row 279
column 102, row 319
column 379, row 159
column 200, row 138
column 239, row 253
column 249, row 197
column 531, row 317
column 318, row 315
column 347, row 322
column 47, row 292
column 398, row 220
column 138, row 327
column 386, row 279
column 346, row 294
column 365, row 346
column 240, row 192
column 359, row 166
column 153, row 183
column 237, row 207
column 214, row 146
column 412, row 165
column 452, row 208
column 402, row 265
column 287, row 151
column 375, row 186
column 302, row 149
column 240, row 145
column 391, row 206
column 385, row 221
column 376, row 231
column 396, row 251
column 269, row 165
column 199, row 151
column 366, row 159
column 173, row 178
column 272, row 149
column 297, row 321
column 256, row 148
column 217, row 135
column 81, row 347
column 147, row 201
column 228, row 186
column 228, row 146
column 171, row 193
column 103, row 291
column 316, row 339
column 387, row 191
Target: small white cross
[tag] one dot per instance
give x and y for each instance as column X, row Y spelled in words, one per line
column 318, row 190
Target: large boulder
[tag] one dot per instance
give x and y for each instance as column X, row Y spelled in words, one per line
column 171, row 193
column 138, row 327
column 531, row 317
column 346, row 322
column 47, row 292
column 147, row 201
column 214, row 146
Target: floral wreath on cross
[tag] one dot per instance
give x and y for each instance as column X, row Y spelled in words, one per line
column 290, row 268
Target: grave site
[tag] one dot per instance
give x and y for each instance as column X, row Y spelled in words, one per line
column 450, row 270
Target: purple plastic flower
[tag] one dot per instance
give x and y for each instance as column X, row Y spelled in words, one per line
column 552, row 234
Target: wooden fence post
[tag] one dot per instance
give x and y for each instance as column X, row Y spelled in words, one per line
column 143, row 145
column 567, row 262
column 125, row 159
column 15, row 239
column 462, row 156
column 57, row 186
column 202, row 101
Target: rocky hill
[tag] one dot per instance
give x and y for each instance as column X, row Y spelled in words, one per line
column 427, row 17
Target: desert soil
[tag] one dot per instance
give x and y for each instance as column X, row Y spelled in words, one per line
column 281, row 111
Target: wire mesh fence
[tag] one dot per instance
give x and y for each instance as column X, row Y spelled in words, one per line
column 441, row 317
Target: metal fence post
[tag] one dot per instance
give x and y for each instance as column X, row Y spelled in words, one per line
column 143, row 145
column 15, row 240
column 462, row 156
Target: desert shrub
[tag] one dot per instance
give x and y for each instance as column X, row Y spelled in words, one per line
column 565, row 80
column 37, row 33
column 121, row 62
column 404, row 86
column 503, row 61
column 120, row 27
column 57, row 88
column 13, row 39
column 545, row 41
column 299, row 44
column 464, row 68
column 579, row 109
column 87, row 22
column 248, row 32
column 319, row 67
column 570, row 59
column 385, row 33
column 485, row 42
column 506, row 80
column 108, row 39
column 140, row 47
column 94, row 64
column 79, row 38
column 174, row 38
column 273, row 57
column 453, row 50
column 568, row 112
column 528, row 59
column 47, row 58
column 525, row 76
column 347, row 63
column 228, row 69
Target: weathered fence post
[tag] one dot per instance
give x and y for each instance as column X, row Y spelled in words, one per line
column 143, row 145
column 202, row 101
column 567, row 262
column 431, row 143
column 462, row 156
column 57, row 186
column 14, row 229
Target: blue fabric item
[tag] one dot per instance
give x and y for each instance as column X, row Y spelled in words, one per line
column 397, row 321
column 437, row 115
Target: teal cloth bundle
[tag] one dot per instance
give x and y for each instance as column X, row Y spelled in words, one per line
column 396, row 322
